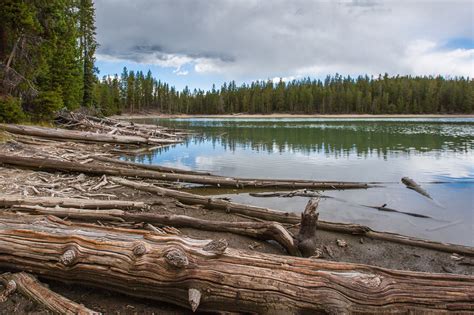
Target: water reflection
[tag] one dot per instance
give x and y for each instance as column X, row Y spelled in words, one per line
column 382, row 150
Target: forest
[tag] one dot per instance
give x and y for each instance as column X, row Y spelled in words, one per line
column 47, row 50
column 135, row 92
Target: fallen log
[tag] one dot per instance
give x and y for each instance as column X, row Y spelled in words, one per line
column 10, row 200
column 64, row 134
column 290, row 194
column 293, row 218
column 203, row 275
column 147, row 167
column 117, row 127
column 213, row 203
column 31, row 288
column 48, row 164
column 259, row 230
column 411, row 184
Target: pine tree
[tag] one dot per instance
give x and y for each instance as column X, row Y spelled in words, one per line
column 88, row 46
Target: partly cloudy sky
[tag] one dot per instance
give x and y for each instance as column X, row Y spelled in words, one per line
column 200, row 42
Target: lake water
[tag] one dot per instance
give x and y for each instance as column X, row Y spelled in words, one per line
column 436, row 153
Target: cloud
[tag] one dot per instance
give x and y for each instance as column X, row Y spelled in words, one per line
column 250, row 39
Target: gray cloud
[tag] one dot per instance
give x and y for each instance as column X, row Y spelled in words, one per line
column 264, row 39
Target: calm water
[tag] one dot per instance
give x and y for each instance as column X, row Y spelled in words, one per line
column 437, row 153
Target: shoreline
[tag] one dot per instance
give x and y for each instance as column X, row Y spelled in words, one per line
column 283, row 115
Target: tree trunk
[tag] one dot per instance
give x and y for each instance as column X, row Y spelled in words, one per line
column 208, row 276
column 260, row 230
column 65, row 134
column 7, row 201
column 31, row 288
column 213, row 203
column 306, row 238
column 65, row 166
column 147, row 166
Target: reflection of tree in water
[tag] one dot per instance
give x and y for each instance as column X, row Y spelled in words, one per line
column 337, row 139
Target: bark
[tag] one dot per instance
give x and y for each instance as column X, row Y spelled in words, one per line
column 260, row 230
column 293, row 218
column 31, row 288
column 172, row 268
column 65, row 134
column 306, row 238
column 10, row 200
column 65, row 166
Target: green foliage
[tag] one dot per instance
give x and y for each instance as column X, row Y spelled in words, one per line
column 11, row 110
column 45, row 106
column 336, row 95
column 50, row 45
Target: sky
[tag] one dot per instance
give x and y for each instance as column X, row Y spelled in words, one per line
column 196, row 43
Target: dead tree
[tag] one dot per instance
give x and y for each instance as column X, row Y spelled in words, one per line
column 209, row 276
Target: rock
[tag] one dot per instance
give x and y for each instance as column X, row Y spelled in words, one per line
column 341, row 243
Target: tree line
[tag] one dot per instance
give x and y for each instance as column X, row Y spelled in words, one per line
column 135, row 92
column 47, row 57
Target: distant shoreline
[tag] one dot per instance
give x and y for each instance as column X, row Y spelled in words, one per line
column 158, row 115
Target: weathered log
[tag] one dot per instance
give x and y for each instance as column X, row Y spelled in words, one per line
column 260, row 230
column 10, row 200
column 147, row 166
column 411, row 184
column 290, row 194
column 56, row 165
column 31, row 288
column 212, row 203
column 117, row 127
column 172, row 268
column 293, row 218
column 65, row 134
column 306, row 238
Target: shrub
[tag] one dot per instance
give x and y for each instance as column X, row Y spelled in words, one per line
column 11, row 110
column 45, row 106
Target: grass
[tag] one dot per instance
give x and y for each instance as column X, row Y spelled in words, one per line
column 4, row 137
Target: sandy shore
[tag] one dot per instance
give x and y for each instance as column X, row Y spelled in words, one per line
column 283, row 115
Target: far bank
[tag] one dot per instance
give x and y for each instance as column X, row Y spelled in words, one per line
column 285, row 115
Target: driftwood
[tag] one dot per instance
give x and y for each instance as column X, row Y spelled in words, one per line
column 290, row 194
column 260, row 230
column 203, row 275
column 65, row 134
column 213, row 203
column 31, row 288
column 306, row 238
column 293, row 218
column 65, row 166
column 147, row 167
column 411, row 184
column 7, row 201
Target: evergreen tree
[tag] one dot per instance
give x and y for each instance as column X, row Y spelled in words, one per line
column 88, row 46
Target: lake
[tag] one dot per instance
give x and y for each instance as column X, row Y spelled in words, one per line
column 437, row 153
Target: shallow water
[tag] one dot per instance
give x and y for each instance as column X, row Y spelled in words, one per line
column 436, row 153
